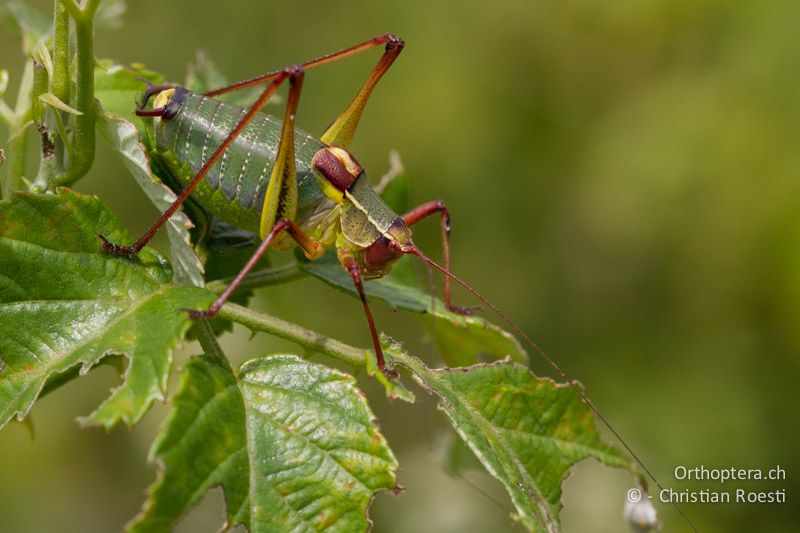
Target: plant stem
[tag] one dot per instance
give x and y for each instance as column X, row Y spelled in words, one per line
column 72, row 7
column 60, row 85
column 310, row 340
column 83, row 135
column 14, row 166
column 40, row 83
column 18, row 120
column 90, row 8
column 205, row 335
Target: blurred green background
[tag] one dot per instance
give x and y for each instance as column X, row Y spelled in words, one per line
column 623, row 180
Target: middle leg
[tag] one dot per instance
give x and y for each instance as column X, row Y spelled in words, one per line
column 285, row 224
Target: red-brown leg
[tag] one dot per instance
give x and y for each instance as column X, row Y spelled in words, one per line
column 283, row 225
column 424, row 211
column 351, row 265
column 391, row 41
column 341, row 132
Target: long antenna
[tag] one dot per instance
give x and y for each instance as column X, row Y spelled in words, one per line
column 413, row 250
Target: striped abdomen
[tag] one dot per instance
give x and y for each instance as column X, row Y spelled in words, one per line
column 235, row 185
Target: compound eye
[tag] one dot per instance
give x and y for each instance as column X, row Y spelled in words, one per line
column 171, row 109
column 167, row 102
column 174, row 103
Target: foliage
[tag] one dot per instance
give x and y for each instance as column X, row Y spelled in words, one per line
column 294, row 444
column 66, row 304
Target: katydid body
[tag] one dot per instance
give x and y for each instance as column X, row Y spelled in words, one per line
column 261, row 174
column 235, row 187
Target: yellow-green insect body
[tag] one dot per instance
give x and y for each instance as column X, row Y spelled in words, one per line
column 345, row 212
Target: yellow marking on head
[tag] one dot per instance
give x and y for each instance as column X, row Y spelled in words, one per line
column 330, row 191
column 163, row 98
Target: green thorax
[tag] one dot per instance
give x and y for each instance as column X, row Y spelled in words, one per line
column 364, row 215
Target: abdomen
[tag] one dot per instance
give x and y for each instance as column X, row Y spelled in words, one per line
column 235, row 185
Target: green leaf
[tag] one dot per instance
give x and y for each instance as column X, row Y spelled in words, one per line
column 203, row 443
column 53, row 101
column 293, row 444
column 42, row 56
column 466, row 340
column 526, row 431
column 64, row 303
column 461, row 340
column 394, row 388
column 123, row 138
column 387, row 289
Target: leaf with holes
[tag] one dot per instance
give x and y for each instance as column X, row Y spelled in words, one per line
column 65, row 304
column 293, row 444
column 526, row 431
